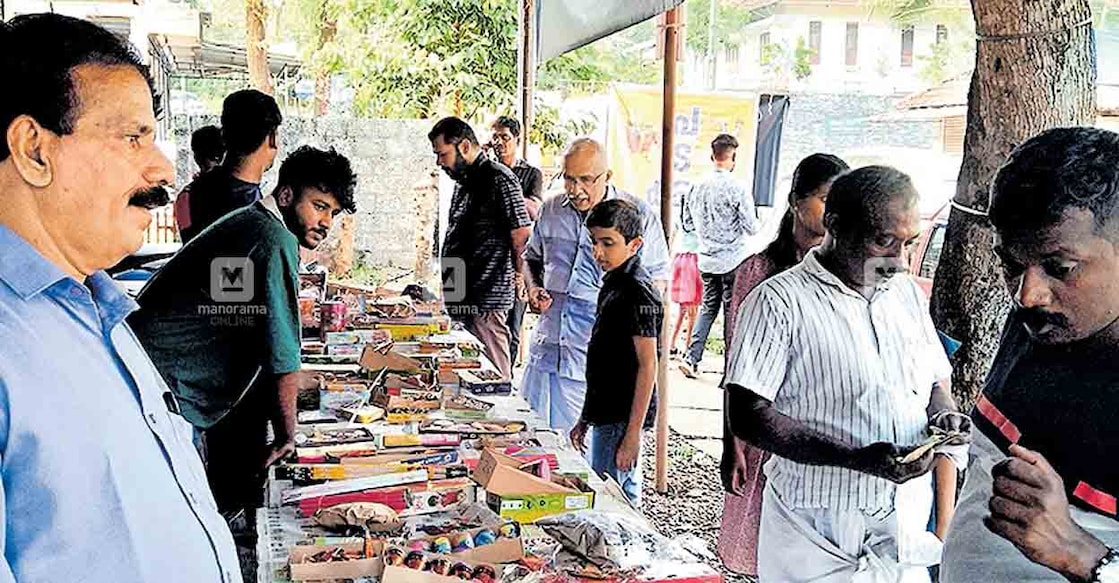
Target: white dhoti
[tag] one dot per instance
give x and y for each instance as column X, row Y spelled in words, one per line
column 837, row 546
column 558, row 400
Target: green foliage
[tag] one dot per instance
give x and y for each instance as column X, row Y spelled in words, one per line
column 621, row 58
column 948, row 59
column 422, row 58
column 802, row 60
column 730, row 23
column 550, row 134
column 778, row 59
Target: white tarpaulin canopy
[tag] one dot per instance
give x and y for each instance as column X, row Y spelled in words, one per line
column 565, row 25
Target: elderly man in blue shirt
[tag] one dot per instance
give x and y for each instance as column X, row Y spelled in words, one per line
column 101, row 483
column 563, row 281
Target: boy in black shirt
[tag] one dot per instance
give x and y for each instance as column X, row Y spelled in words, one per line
column 622, row 354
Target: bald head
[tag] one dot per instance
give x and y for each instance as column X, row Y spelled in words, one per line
column 585, row 173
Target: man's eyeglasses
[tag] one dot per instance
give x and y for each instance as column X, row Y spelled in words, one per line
column 584, row 181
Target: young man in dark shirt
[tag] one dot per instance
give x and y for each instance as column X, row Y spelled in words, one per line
column 505, row 144
column 622, row 354
column 249, row 123
column 221, row 322
column 209, row 150
column 486, row 233
column 1039, row 502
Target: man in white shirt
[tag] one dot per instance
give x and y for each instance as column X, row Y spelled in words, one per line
column 839, row 370
column 721, row 213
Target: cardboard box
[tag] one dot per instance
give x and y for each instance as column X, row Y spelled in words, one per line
column 411, row 500
column 517, row 495
column 501, row 474
column 301, row 570
column 343, row 349
column 502, row 550
column 406, row 575
column 485, row 382
column 531, row 507
column 375, row 360
column 358, row 337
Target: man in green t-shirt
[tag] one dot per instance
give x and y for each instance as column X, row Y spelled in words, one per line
column 221, row 322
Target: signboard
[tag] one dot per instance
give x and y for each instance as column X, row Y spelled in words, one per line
column 634, row 138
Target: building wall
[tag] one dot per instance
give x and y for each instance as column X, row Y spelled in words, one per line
column 391, row 159
column 877, row 71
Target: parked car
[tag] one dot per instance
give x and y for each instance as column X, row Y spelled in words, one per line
column 923, row 262
column 134, row 271
column 185, row 102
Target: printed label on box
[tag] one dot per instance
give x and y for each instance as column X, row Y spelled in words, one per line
column 576, row 503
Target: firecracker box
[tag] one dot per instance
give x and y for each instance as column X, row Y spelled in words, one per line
column 518, row 495
column 501, row 550
column 304, row 567
column 485, row 382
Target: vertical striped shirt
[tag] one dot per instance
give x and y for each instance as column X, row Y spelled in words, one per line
column 859, row 371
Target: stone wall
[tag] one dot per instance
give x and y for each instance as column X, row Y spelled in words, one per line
column 841, row 124
column 390, row 157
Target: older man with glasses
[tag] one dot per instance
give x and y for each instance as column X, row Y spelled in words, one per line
column 563, row 281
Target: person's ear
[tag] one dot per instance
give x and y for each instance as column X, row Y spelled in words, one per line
column 272, row 141
column 831, row 223
column 609, row 175
column 285, row 197
column 30, row 146
column 635, row 244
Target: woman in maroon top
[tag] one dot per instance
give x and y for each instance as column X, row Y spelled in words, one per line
column 802, row 228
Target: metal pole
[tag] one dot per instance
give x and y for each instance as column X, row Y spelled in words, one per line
column 528, row 71
column 668, row 128
column 714, row 62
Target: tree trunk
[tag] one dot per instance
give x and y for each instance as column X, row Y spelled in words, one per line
column 256, row 51
column 328, row 26
column 1034, row 70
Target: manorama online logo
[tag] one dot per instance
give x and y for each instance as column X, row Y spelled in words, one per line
column 232, row 280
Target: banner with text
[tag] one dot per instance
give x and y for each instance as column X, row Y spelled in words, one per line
column 634, row 139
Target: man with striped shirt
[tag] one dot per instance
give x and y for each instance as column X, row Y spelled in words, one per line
column 840, row 371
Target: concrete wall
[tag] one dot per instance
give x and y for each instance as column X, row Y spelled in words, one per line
column 390, row 157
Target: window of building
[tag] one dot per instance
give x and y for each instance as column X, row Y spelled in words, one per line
column 907, row 46
column 852, row 57
column 763, row 45
column 815, row 32
column 731, row 56
column 941, row 34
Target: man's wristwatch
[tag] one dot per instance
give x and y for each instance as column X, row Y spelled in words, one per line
column 1107, row 570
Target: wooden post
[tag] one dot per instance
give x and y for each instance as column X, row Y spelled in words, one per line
column 668, row 128
column 527, row 68
column 260, row 77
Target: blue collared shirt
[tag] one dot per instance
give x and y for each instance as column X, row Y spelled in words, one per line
column 573, row 279
column 101, row 482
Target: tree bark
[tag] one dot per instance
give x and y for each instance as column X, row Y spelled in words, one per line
column 1034, row 70
column 328, row 26
column 256, row 51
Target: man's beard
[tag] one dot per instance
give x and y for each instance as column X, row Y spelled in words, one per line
column 1036, row 319
column 150, row 198
column 458, row 171
column 301, row 231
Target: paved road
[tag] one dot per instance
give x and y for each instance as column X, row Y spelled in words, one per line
column 695, row 406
